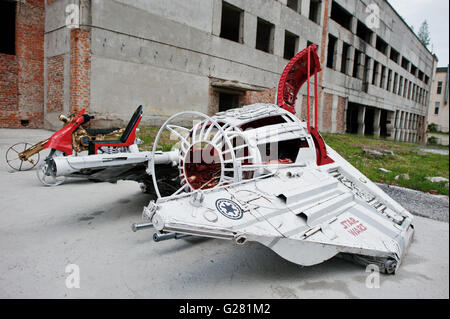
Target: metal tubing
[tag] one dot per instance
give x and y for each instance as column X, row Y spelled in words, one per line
column 138, row 226
column 160, row 237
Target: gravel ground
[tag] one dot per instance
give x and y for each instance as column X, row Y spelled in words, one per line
column 419, row 203
column 435, row 151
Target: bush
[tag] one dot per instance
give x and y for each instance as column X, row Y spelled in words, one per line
column 432, row 140
column 432, row 128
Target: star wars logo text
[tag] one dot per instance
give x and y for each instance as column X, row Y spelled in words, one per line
column 353, row 226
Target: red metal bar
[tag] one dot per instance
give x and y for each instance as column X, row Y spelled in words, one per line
column 315, row 101
column 309, row 66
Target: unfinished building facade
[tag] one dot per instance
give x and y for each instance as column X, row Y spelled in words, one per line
column 211, row 55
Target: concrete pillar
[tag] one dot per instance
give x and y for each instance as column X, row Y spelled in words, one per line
column 376, row 122
column 354, row 25
column 390, row 125
column 278, row 41
column 361, row 65
column 351, row 58
column 338, row 57
column 250, row 22
column 217, row 17
column 377, row 71
column 361, row 116
column 305, row 9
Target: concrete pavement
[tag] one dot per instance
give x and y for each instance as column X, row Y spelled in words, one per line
column 43, row 229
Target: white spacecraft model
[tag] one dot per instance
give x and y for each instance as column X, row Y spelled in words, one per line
column 258, row 173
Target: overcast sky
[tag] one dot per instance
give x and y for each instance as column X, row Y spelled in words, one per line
column 414, row 12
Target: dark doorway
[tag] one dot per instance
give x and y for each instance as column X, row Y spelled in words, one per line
column 383, row 123
column 228, row 101
column 368, row 121
column 352, row 118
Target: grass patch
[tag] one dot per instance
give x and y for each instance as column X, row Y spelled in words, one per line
column 148, row 134
column 407, row 159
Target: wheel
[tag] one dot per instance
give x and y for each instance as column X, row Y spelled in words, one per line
column 46, row 172
column 16, row 162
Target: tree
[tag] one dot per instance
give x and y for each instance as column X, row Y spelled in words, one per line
column 424, row 34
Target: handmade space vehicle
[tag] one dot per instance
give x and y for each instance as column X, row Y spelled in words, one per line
column 258, row 173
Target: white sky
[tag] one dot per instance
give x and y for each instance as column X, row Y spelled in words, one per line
column 414, row 12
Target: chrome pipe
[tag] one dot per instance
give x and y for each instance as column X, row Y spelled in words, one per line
column 160, row 237
column 138, row 226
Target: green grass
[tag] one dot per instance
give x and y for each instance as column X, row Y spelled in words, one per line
column 148, row 135
column 407, row 159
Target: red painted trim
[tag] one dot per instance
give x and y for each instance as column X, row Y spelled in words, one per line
column 62, row 139
column 321, row 149
column 294, row 75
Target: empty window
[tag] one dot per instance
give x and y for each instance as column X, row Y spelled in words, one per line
column 436, row 107
column 439, row 87
column 383, row 76
column 357, row 64
column 363, row 32
column 341, row 16
column 375, row 72
column 394, row 56
column 420, row 75
column 389, row 79
column 427, row 79
column 400, row 86
column 381, row 45
column 331, row 51
column 345, row 57
column 8, row 27
column 290, row 45
column 405, row 64
column 413, row 69
column 314, row 10
column 410, row 88
column 228, row 101
column 264, row 36
column 294, row 5
column 406, row 88
column 366, row 79
column 231, row 25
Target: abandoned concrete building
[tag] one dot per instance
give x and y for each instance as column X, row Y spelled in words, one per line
column 438, row 111
column 109, row 56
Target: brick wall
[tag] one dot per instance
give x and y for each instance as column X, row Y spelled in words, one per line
column 327, row 110
column 266, row 96
column 55, row 84
column 25, row 99
column 8, row 82
column 340, row 115
column 304, row 109
column 80, row 66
